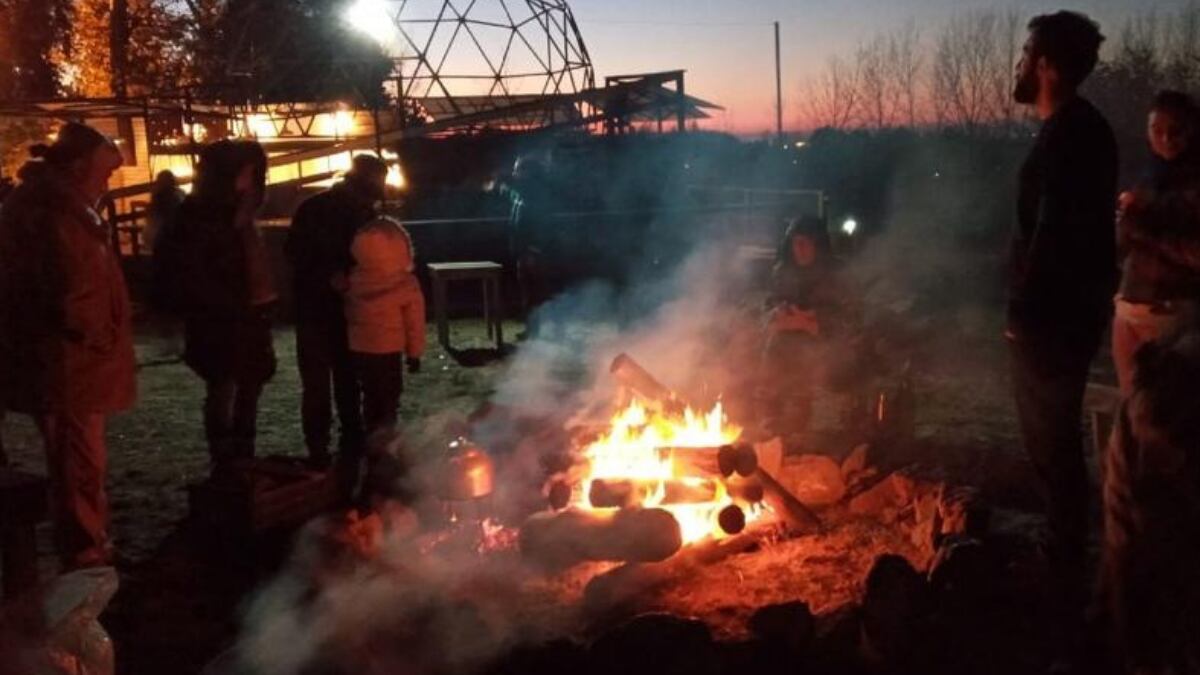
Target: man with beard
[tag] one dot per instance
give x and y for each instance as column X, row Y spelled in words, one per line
column 1062, row 276
column 318, row 247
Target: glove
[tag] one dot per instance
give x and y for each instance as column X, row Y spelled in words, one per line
column 414, row 364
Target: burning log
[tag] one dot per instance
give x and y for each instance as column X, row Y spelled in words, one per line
column 725, row 461
column 627, row 492
column 559, row 540
column 797, row 516
column 744, row 490
column 634, row 377
column 732, row 519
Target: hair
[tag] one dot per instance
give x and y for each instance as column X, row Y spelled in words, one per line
column 367, row 164
column 1070, row 41
column 220, row 163
column 1176, row 102
column 75, row 141
column 805, row 226
column 165, row 178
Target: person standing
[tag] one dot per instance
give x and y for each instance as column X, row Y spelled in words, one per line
column 66, row 338
column 385, row 320
column 1158, row 231
column 1062, row 276
column 227, row 295
column 318, row 248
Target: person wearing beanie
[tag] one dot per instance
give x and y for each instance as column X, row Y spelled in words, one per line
column 227, row 296
column 66, row 338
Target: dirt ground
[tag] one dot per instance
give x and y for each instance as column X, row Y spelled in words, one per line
column 178, row 606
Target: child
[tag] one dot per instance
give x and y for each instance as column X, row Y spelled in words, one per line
column 385, row 318
column 1159, row 235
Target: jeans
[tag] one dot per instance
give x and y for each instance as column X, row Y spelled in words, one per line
column 381, row 377
column 1049, row 383
column 1134, row 325
column 77, row 459
column 231, row 418
column 327, row 379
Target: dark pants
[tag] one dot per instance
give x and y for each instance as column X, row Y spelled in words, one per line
column 327, row 379
column 1049, row 385
column 77, row 459
column 231, row 418
column 381, row 377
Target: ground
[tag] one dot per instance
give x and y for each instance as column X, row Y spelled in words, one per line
column 179, row 599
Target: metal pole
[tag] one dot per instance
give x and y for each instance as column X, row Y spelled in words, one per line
column 778, row 87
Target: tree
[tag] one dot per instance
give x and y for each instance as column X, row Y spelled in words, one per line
column 972, row 66
column 832, row 97
column 905, row 66
column 876, row 98
column 30, row 31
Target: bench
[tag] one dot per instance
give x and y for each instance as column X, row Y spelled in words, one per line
column 23, row 504
column 486, row 272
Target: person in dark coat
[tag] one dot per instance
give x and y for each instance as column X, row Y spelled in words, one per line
column 1062, row 275
column 1149, row 584
column 1159, row 235
column 228, row 295
column 66, row 340
column 318, row 248
column 806, row 316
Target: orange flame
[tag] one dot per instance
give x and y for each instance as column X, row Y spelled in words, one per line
column 637, row 446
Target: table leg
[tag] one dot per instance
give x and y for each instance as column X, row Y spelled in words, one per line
column 487, row 309
column 439, row 310
column 499, row 302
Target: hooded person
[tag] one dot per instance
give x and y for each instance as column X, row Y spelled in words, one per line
column 1148, row 580
column 66, row 340
column 385, row 321
column 227, row 294
column 806, row 307
column 318, row 250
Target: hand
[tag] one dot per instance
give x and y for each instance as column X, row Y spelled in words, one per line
column 414, row 364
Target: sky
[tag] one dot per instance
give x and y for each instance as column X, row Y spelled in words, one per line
column 727, row 46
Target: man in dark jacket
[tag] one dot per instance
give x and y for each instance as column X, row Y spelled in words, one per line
column 318, row 248
column 1062, row 272
column 66, row 340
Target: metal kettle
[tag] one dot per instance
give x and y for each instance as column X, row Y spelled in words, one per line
column 468, row 472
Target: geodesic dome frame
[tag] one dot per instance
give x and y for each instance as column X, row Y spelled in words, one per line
column 459, row 54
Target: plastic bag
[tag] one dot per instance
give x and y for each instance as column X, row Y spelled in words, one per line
column 56, row 632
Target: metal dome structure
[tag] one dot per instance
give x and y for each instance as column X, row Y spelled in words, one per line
column 457, row 57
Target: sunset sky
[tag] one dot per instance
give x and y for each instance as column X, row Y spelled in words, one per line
column 727, row 46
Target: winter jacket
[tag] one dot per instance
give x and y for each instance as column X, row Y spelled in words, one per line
column 226, row 333
column 66, row 339
column 1148, row 576
column 318, row 248
column 385, row 309
column 1160, row 237
column 1062, row 265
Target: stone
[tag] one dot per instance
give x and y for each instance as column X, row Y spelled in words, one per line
column 897, row 608
column 656, row 644
column 855, row 462
column 815, row 480
column 790, row 625
column 961, row 511
column 891, row 493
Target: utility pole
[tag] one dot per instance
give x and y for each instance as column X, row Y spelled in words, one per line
column 778, row 88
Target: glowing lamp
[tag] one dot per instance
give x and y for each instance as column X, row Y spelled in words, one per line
column 850, row 226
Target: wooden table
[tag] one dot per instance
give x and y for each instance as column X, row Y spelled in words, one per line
column 489, row 274
column 23, row 504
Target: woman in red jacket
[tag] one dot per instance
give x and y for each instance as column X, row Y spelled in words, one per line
column 66, row 341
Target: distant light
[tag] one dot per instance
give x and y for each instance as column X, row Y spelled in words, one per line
column 371, row 17
column 850, row 226
column 343, row 122
column 800, row 144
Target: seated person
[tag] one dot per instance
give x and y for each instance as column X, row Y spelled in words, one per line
column 808, row 329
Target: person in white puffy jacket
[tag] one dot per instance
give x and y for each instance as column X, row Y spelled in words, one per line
column 385, row 317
